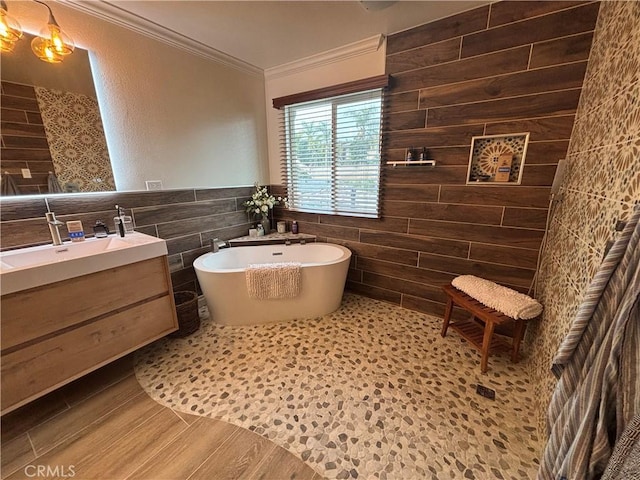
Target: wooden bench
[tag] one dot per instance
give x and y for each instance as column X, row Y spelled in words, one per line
column 480, row 328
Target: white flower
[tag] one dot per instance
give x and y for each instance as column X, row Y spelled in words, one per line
column 261, row 201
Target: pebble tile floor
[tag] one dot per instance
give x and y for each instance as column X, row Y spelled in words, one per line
column 369, row 391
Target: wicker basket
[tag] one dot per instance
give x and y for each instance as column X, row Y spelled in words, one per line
column 187, row 310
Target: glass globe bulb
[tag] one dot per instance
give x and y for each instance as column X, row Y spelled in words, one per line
column 10, row 31
column 52, row 45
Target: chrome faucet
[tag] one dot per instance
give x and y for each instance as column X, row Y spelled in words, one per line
column 216, row 244
column 54, row 227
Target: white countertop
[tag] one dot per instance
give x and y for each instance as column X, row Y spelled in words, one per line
column 272, row 238
column 31, row 267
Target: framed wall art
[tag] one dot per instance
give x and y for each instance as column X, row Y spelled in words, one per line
column 497, row 159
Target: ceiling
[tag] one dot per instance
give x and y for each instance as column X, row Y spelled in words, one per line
column 266, row 34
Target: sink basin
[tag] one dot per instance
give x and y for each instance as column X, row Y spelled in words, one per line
column 35, row 266
column 31, row 257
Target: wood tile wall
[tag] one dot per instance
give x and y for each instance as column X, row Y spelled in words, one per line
column 24, row 142
column 508, row 67
column 186, row 219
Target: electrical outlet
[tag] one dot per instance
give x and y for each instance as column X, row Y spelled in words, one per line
column 26, row 173
column 486, row 392
column 154, row 184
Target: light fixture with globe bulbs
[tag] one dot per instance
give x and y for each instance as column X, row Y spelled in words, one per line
column 51, row 45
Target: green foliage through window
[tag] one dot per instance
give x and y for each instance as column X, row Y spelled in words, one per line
column 332, row 154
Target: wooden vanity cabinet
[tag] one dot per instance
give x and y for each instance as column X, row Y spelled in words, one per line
column 58, row 332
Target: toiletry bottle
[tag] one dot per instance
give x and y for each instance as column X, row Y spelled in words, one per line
column 76, row 232
column 294, row 227
column 410, row 154
column 423, row 154
column 100, row 230
column 125, row 220
column 128, row 223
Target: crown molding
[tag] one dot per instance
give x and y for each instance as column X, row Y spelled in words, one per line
column 361, row 47
column 116, row 15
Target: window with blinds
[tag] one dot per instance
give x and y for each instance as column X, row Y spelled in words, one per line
column 331, row 152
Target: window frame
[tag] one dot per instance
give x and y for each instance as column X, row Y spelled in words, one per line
column 333, row 97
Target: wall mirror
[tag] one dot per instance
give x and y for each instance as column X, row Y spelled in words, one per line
column 51, row 124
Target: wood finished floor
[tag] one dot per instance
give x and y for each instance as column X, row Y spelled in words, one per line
column 104, row 426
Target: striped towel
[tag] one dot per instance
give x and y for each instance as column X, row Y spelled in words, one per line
column 625, row 459
column 266, row 281
column 513, row 304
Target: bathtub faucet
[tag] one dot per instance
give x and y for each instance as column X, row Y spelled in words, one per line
column 216, row 244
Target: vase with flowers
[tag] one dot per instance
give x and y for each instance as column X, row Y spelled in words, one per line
column 261, row 203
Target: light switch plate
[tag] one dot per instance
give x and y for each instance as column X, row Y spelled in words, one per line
column 26, row 173
column 154, row 184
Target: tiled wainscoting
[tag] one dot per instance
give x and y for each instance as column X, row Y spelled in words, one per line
column 186, row 219
column 510, row 67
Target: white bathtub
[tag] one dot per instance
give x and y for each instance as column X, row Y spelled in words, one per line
column 223, row 282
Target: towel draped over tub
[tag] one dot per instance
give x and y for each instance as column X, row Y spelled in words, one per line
column 266, row 281
column 513, row 304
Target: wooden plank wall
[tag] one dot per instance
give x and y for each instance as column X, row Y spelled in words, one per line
column 505, row 68
column 187, row 219
column 24, row 142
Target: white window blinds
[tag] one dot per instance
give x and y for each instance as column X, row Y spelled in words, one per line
column 331, row 152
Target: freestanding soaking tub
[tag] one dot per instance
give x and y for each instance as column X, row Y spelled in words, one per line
column 222, row 277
